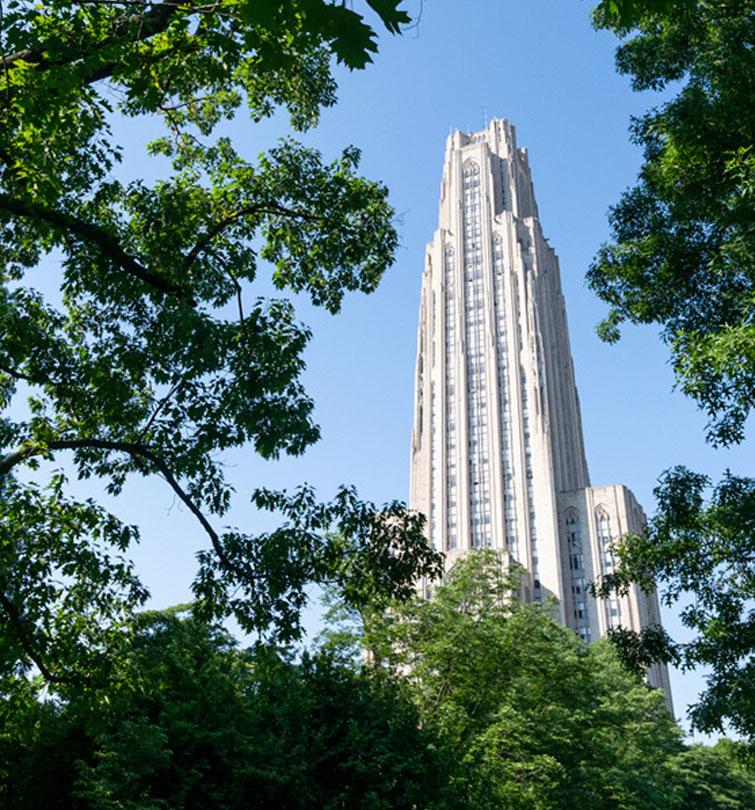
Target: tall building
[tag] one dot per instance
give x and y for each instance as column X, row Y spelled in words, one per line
column 498, row 457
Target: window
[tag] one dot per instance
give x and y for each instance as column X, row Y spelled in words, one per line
column 450, row 357
column 580, row 611
column 476, row 383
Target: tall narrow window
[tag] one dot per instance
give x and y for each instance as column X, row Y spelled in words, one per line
column 434, row 471
column 474, row 323
column 531, row 515
column 450, row 393
column 580, row 613
column 605, row 546
column 504, row 398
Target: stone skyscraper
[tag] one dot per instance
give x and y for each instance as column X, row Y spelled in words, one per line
column 498, row 457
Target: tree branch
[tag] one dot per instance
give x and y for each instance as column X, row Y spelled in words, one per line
column 18, row 375
column 97, row 236
column 150, row 23
column 128, row 27
column 212, row 233
column 160, row 405
column 206, row 239
column 14, row 617
column 142, row 451
column 237, row 286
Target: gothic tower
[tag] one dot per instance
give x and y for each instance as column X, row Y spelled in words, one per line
column 498, row 457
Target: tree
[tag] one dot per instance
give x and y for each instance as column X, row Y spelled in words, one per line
column 195, row 723
column 530, row 715
column 683, row 247
column 682, row 256
column 712, row 777
column 703, row 552
column 502, row 708
column 158, row 356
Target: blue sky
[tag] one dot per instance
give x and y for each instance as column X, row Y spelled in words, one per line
column 541, row 65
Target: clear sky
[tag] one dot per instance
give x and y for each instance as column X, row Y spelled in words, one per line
column 542, row 66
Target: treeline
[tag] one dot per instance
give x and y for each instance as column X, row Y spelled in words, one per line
column 472, row 700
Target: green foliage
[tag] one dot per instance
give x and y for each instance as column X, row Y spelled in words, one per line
column 197, row 723
column 159, row 354
column 622, row 15
column 701, row 553
column 682, row 256
column 65, row 592
column 683, row 247
column 476, row 701
column 530, row 716
column 716, row 777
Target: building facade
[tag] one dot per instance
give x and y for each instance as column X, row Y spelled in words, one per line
column 497, row 454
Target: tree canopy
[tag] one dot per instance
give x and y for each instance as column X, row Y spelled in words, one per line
column 529, row 715
column 469, row 701
column 682, row 255
column 700, row 552
column 156, row 355
column 195, row 722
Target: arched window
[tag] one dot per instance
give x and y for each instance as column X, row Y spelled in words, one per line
column 607, row 561
column 603, row 524
column 471, row 169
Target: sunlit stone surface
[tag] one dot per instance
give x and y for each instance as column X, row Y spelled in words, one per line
column 498, row 457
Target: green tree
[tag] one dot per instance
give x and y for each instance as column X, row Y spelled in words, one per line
column 712, row 778
column 158, row 355
column 700, row 552
column 195, row 722
column 505, row 709
column 530, row 716
column 683, row 248
column 682, row 256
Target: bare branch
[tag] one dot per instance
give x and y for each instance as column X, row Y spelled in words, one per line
column 160, row 405
column 239, row 291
